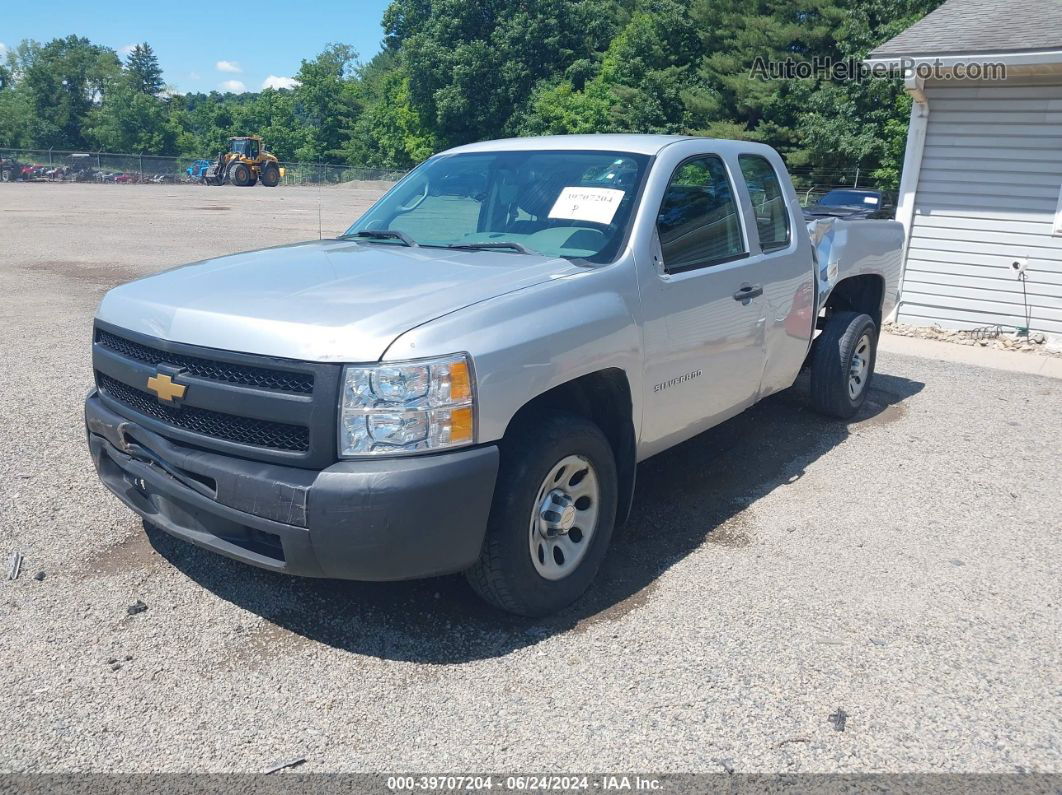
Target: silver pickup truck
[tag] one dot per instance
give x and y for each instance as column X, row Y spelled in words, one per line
column 466, row 380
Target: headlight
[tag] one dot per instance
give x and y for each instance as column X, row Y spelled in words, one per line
column 404, row 407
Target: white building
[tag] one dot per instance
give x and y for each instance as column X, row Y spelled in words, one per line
column 981, row 192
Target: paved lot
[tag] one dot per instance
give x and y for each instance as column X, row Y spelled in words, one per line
column 903, row 570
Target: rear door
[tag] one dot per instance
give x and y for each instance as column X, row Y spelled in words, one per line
column 783, row 263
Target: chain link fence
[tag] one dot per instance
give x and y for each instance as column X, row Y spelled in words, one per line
column 812, row 184
column 53, row 165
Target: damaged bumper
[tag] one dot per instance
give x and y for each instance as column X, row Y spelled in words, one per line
column 389, row 519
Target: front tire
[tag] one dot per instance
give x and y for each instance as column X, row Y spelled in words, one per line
column 239, row 175
column 270, row 175
column 552, row 518
column 843, row 364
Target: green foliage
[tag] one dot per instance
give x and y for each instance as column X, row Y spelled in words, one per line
column 472, row 63
column 454, row 71
column 128, row 120
column 389, row 132
column 324, row 101
column 60, row 82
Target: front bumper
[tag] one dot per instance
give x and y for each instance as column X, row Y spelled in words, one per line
column 390, row 519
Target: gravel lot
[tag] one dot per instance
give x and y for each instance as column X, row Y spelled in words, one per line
column 780, row 569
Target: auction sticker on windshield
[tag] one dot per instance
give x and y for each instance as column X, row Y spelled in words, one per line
column 596, row 205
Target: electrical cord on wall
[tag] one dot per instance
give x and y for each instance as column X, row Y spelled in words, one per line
column 1028, row 312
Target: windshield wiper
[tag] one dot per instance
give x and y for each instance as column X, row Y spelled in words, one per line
column 500, row 244
column 385, row 234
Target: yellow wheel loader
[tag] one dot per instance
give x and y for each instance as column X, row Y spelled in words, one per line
column 246, row 163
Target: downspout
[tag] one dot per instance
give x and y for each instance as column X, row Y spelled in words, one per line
column 912, row 166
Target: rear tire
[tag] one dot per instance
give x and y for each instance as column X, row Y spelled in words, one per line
column 7, row 175
column 843, row 364
column 556, row 472
column 239, row 175
column 270, row 175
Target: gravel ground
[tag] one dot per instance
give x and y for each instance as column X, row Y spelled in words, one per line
column 900, row 574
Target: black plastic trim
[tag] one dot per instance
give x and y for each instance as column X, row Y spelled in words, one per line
column 367, row 520
column 317, row 412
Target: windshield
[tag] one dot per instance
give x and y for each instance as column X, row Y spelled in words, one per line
column 851, row 198
column 558, row 203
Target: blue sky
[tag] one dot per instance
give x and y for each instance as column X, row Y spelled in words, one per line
column 202, row 45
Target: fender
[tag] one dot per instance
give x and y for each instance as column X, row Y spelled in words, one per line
column 527, row 342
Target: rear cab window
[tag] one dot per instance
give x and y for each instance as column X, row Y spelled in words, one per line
column 768, row 202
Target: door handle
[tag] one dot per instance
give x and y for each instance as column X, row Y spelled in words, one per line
column 748, row 291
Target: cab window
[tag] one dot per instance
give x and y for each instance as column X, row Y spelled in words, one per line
column 768, row 203
column 698, row 224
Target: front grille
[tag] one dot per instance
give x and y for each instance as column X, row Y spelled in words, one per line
column 228, row 427
column 244, row 375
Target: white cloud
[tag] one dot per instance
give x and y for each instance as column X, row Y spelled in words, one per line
column 279, row 82
column 193, row 75
column 233, row 67
column 125, row 49
column 235, row 86
column 3, row 49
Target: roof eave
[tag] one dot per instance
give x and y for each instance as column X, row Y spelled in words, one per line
column 948, row 59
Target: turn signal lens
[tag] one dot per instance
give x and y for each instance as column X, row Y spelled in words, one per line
column 461, row 426
column 460, row 383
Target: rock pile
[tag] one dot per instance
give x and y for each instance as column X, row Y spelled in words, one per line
column 991, row 337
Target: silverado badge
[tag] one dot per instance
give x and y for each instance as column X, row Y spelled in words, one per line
column 164, row 388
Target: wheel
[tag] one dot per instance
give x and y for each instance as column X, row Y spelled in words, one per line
column 239, row 175
column 552, row 517
column 7, row 175
column 270, row 175
column 843, row 364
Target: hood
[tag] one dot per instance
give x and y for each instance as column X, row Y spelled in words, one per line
column 325, row 301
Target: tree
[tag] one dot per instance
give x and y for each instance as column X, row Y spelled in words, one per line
column 129, row 120
column 454, row 71
column 16, row 112
column 875, row 109
column 144, row 70
column 62, row 81
column 472, row 65
column 733, row 35
column 272, row 115
column 388, row 132
column 15, row 117
column 324, row 102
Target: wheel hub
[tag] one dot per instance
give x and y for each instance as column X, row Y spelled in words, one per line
column 556, row 513
column 859, row 367
column 563, row 517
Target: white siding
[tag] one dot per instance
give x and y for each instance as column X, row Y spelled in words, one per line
column 987, row 193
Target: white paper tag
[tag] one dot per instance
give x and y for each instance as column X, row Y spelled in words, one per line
column 870, row 200
column 597, row 205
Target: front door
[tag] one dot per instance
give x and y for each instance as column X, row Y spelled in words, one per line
column 703, row 307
